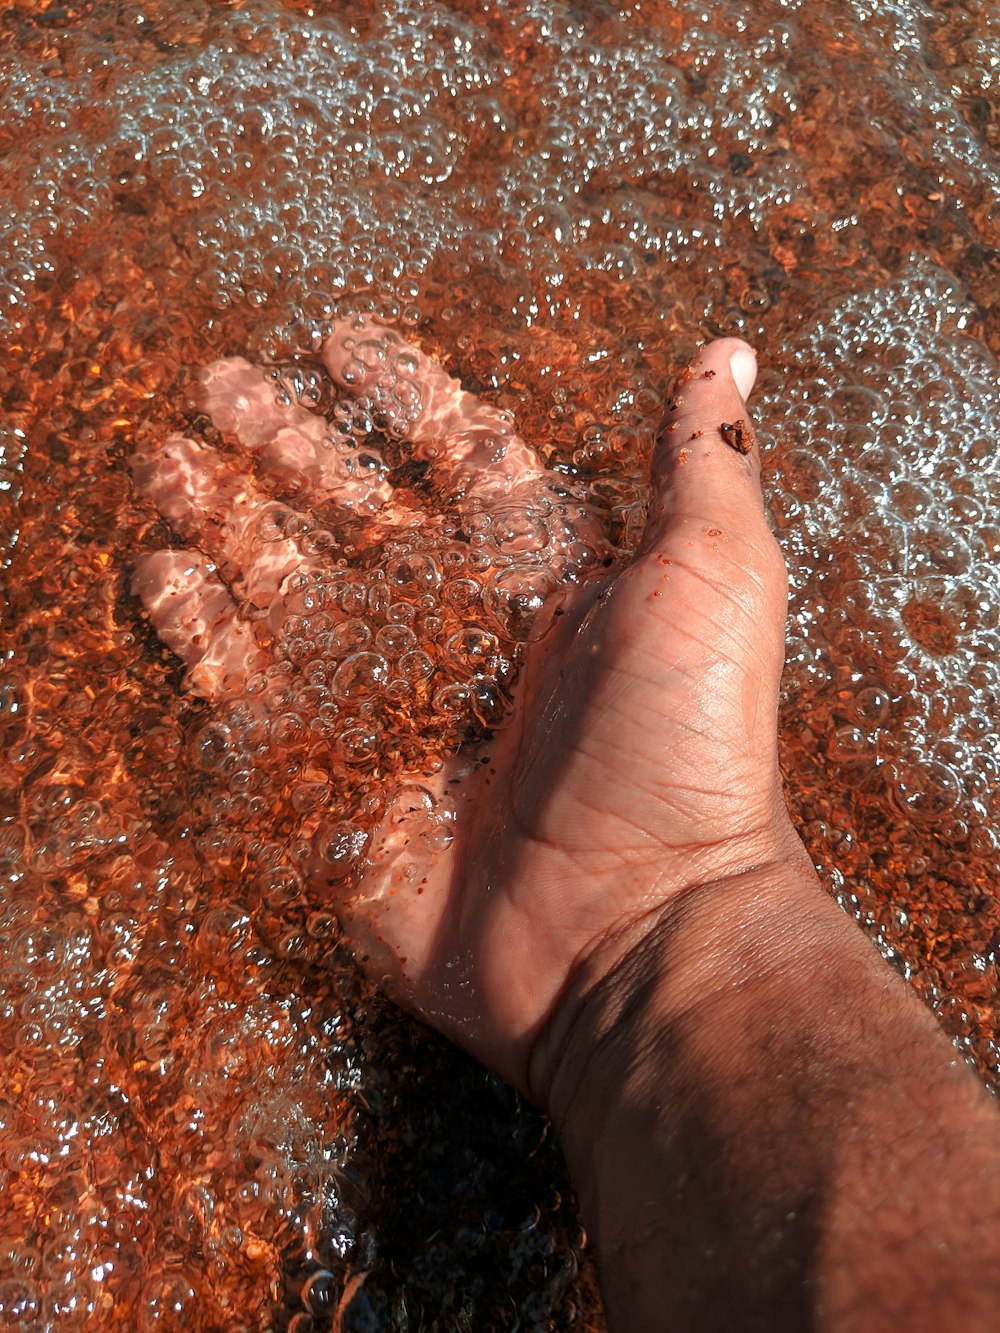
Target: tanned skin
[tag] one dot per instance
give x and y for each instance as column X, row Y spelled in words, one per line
column 766, row 1129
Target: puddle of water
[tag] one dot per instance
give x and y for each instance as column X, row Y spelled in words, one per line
column 207, row 1120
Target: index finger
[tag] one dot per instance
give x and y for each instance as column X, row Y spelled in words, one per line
column 471, row 444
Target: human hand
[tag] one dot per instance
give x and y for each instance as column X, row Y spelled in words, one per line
column 637, row 759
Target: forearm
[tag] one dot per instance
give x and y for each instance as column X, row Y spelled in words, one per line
column 769, row 1132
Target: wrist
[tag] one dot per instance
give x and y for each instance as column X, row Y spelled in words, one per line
column 699, row 954
column 722, row 1092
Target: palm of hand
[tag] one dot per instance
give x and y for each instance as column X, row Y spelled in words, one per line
column 639, row 758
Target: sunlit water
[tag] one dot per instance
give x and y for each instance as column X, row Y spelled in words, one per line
column 206, row 1121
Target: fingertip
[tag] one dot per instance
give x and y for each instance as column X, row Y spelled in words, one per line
column 195, row 616
column 350, row 369
column 727, row 354
column 150, row 571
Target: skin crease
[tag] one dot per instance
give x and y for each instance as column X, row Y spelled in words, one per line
column 767, row 1131
column 666, row 675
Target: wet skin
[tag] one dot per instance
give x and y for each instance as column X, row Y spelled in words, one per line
column 641, row 758
column 761, row 1120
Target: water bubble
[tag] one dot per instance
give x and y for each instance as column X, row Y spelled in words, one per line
column 416, row 666
column 412, row 575
column 462, row 593
column 360, row 676
column 19, row 1303
column 454, row 701
column 168, row 1301
column 522, row 601
column 288, row 730
column 519, row 531
column 213, row 747
column 311, row 795
column 473, row 648
column 194, row 1210
column 350, row 635
column 321, row 1293
column 872, row 706
column 927, row 792
column 395, row 640
column 280, row 887
column 341, row 845
column 223, row 931
column 358, row 744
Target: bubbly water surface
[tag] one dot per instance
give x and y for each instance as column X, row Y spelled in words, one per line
column 206, row 1120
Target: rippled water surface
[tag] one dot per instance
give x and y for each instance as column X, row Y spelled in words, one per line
column 206, row 1121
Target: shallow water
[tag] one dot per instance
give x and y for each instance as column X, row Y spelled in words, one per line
column 207, row 1122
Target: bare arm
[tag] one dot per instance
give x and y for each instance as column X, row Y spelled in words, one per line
column 768, row 1131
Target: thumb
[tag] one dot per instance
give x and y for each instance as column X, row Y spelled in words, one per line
column 706, row 464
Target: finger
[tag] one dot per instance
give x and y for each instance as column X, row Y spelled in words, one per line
column 538, row 534
column 472, row 445
column 256, row 542
column 195, row 616
column 706, row 465
column 302, row 450
column 373, row 873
